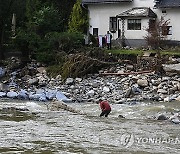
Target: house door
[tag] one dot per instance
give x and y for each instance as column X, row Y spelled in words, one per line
column 119, row 28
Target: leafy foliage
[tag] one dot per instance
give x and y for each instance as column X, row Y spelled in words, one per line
column 45, row 20
column 7, row 8
column 78, row 20
column 65, row 41
column 27, row 42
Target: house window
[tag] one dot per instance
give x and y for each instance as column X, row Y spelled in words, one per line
column 167, row 30
column 95, row 31
column 112, row 24
column 134, row 24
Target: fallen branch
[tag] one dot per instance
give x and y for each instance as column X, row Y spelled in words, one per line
column 126, row 73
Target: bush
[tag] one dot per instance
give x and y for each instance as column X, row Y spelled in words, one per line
column 45, row 57
column 27, row 42
column 64, row 41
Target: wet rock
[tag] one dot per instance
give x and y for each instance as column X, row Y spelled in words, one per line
column 23, row 94
column 155, row 82
column 172, row 68
column 90, row 93
column 175, row 121
column 121, row 116
column 129, row 67
column 50, row 94
column 61, row 97
column 12, row 94
column 175, row 118
column 106, row 89
column 41, row 70
column 33, row 81
column 136, row 90
column 69, row 81
column 2, row 94
column 95, row 84
column 162, row 117
column 167, row 99
column 2, row 72
column 162, row 91
column 78, row 79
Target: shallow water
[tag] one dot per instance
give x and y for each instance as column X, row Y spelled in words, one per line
column 43, row 131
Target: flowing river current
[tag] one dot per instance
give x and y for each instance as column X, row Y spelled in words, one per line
column 41, row 131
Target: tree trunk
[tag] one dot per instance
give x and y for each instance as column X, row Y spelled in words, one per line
column 1, row 42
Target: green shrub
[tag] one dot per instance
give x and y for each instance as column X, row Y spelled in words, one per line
column 27, row 42
column 64, row 41
column 45, row 57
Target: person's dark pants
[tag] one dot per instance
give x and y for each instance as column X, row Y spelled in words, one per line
column 105, row 112
column 109, row 46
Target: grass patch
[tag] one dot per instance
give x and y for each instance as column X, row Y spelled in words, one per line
column 124, row 51
column 171, row 53
column 140, row 52
column 54, row 70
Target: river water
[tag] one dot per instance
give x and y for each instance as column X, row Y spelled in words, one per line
column 46, row 132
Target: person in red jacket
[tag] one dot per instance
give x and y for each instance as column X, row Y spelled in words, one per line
column 105, row 107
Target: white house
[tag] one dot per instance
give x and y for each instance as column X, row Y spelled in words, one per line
column 128, row 20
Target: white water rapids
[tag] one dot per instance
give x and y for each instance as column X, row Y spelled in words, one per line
column 41, row 131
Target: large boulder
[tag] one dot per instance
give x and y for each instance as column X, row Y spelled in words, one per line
column 2, row 72
column 2, row 94
column 61, row 97
column 12, row 94
column 173, row 68
column 142, row 82
column 50, row 94
column 23, row 94
column 162, row 117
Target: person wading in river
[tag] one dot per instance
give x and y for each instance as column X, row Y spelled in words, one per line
column 105, row 107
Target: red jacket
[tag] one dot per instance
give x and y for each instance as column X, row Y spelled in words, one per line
column 105, row 106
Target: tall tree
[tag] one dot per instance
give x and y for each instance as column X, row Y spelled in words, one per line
column 78, row 19
column 65, row 9
column 7, row 8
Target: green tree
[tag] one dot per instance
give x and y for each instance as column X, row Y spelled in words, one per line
column 47, row 19
column 7, row 8
column 65, row 9
column 78, row 19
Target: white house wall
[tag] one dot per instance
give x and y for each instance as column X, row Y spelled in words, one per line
column 137, row 34
column 143, row 3
column 173, row 15
column 99, row 18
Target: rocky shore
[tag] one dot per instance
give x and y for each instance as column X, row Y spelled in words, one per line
column 31, row 82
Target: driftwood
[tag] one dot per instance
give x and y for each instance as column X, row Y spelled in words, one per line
column 126, row 73
column 60, row 105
